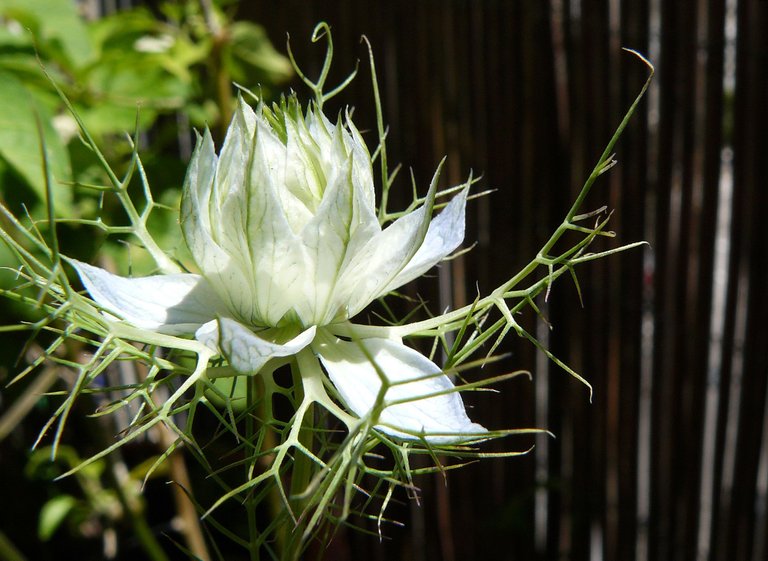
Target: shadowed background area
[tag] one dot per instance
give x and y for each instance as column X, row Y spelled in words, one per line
column 669, row 461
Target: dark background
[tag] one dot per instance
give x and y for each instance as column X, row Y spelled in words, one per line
column 669, row 461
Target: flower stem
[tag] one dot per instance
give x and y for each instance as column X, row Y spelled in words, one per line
column 136, row 513
column 8, row 551
column 301, row 473
column 251, row 500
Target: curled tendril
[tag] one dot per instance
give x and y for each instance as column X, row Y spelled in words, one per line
column 321, row 30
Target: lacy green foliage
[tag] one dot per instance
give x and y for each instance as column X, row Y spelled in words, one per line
column 315, row 467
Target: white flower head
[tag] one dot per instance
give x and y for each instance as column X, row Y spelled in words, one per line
column 282, row 225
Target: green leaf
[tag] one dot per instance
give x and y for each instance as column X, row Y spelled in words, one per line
column 20, row 142
column 12, row 37
column 54, row 20
column 53, row 513
column 252, row 58
column 126, row 84
column 108, row 118
column 119, row 32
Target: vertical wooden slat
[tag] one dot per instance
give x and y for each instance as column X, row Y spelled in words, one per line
column 749, row 160
column 627, row 312
column 667, row 509
column 707, row 177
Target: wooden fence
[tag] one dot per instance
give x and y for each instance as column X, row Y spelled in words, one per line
column 670, row 460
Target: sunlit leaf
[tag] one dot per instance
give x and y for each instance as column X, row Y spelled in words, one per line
column 53, row 513
column 20, row 142
column 253, row 59
column 55, row 21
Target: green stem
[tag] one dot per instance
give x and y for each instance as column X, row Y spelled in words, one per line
column 301, row 472
column 455, row 319
column 385, row 183
column 147, row 538
column 606, row 155
column 8, row 551
column 134, row 508
column 250, row 500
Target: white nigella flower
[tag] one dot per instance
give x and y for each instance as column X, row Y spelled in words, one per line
column 283, row 228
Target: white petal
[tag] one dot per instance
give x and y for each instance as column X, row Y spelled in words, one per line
column 220, row 267
column 326, row 237
column 208, row 334
column 342, row 225
column 362, row 169
column 305, row 174
column 173, row 304
column 234, row 224
column 198, row 184
column 246, row 351
column 445, row 234
column 229, row 188
column 378, row 262
column 276, row 255
column 439, row 418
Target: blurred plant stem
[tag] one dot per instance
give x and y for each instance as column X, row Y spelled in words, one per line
column 8, row 551
column 118, row 471
column 131, row 502
column 135, row 512
column 182, row 490
column 251, row 502
column 26, row 401
column 190, row 521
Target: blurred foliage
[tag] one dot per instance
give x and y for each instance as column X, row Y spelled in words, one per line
column 123, row 72
column 97, row 504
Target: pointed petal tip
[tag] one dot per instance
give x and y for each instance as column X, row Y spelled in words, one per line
column 173, row 304
column 248, row 351
column 423, row 401
column 445, row 234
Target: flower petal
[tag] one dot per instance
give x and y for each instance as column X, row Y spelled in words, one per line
column 445, row 234
column 246, row 351
column 234, row 224
column 439, row 418
column 219, row 266
column 377, row 262
column 326, row 237
column 172, row 304
column 341, row 225
column 276, row 255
